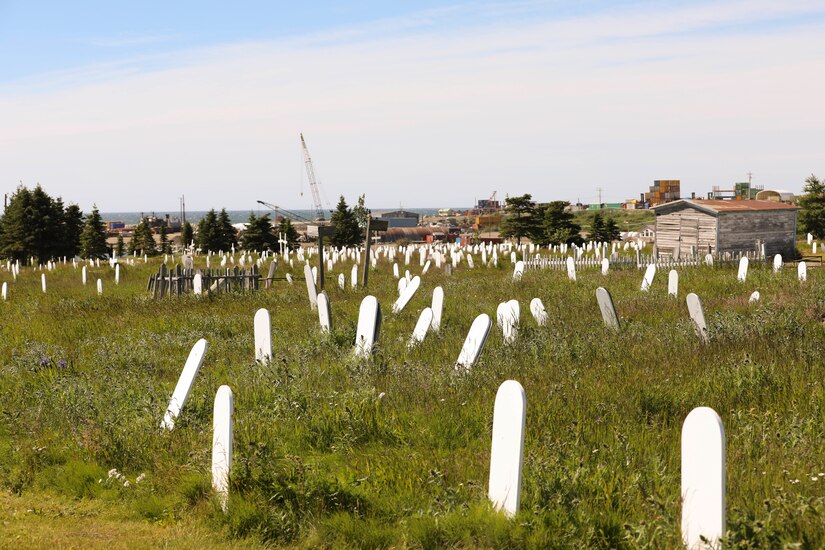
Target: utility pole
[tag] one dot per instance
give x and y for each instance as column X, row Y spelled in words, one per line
column 182, row 212
column 750, row 179
column 599, row 189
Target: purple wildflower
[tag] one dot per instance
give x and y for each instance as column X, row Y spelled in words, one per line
column 61, row 364
column 44, row 361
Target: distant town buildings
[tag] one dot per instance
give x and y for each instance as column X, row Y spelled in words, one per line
column 401, row 218
column 663, row 191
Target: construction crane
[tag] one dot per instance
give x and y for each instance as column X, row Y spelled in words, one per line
column 285, row 213
column 313, row 183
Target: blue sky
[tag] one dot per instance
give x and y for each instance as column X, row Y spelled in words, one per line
column 130, row 105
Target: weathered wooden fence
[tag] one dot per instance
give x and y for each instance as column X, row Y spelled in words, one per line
column 640, row 261
column 178, row 281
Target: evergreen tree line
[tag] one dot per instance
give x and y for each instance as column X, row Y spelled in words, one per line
column 551, row 223
column 215, row 232
column 37, row 225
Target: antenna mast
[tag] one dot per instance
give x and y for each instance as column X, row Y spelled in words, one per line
column 313, row 183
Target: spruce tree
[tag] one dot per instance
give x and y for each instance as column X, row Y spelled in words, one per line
column 286, row 228
column 142, row 239
column 15, row 240
column 347, row 232
column 228, row 237
column 208, row 237
column 186, row 234
column 559, row 226
column 611, row 231
column 812, row 207
column 93, row 238
column 119, row 247
column 258, row 234
column 165, row 245
column 72, row 228
column 597, row 228
column 361, row 213
column 521, row 219
column 37, row 225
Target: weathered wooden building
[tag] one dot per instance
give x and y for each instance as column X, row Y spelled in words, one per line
column 720, row 226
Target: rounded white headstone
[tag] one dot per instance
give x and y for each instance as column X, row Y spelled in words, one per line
column 222, row 443
column 703, row 479
column 507, row 449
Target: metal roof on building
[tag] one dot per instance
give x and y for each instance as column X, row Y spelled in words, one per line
column 717, row 206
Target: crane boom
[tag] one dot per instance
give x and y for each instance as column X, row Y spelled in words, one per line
column 285, row 213
column 313, row 183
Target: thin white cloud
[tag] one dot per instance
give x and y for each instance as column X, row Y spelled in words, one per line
column 552, row 107
column 127, row 40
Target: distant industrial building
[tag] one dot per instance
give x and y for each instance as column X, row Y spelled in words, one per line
column 719, row 226
column 401, row 218
column 411, row 234
column 741, row 190
column 663, row 191
column 776, row 195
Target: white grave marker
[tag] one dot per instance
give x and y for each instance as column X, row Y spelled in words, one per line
column 117, row 274
column 197, row 284
column 507, row 450
column 354, row 277
column 437, row 307
column 43, row 282
column 421, row 327
column 650, row 272
column 697, row 315
column 509, row 327
column 311, row 292
column 605, row 266
column 754, row 297
column 324, row 312
column 6, row 290
column 406, row 295
column 571, row 268
column 263, row 336
column 703, row 479
column 474, row 342
column 184, row 385
column 369, row 325
column 222, row 443
column 538, row 311
column 802, row 272
column 83, row 274
column 673, row 283
column 607, row 308
column 99, row 287
column 743, row 269
column 518, row 271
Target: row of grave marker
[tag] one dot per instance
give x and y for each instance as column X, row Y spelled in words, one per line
column 703, row 448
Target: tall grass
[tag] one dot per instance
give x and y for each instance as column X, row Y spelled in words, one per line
column 394, row 451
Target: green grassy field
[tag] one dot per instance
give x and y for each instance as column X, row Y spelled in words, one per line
column 394, row 451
